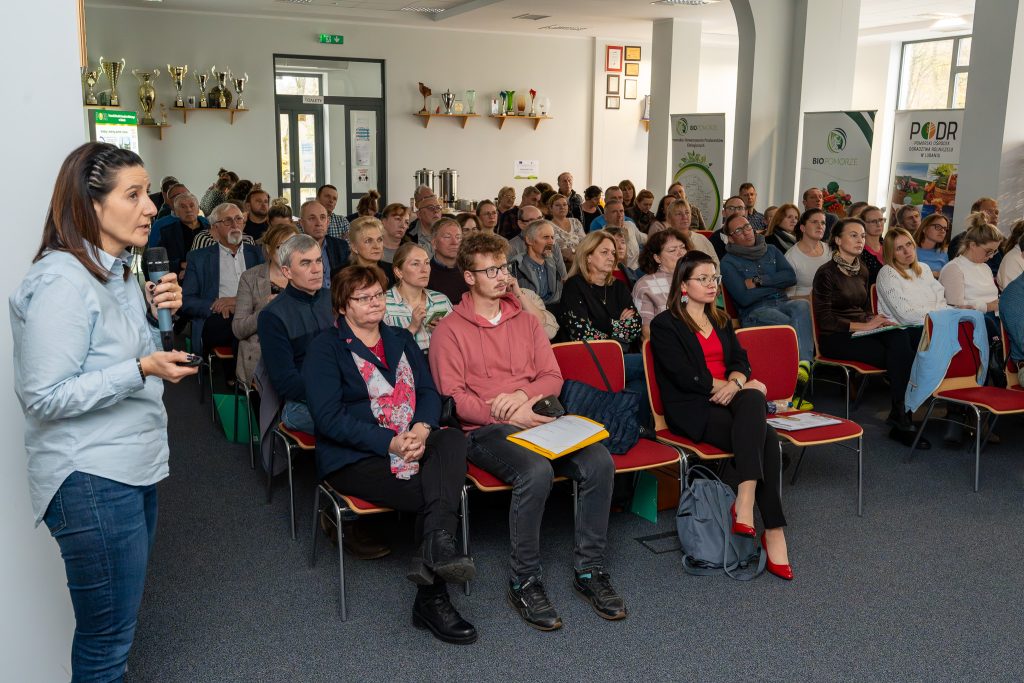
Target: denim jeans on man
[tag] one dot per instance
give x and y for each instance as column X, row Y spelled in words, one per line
column 105, row 532
column 794, row 312
column 295, row 415
column 531, row 476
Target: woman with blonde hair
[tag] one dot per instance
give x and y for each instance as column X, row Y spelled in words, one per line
column 932, row 240
column 967, row 279
column 506, row 199
column 366, row 236
column 568, row 230
column 907, row 290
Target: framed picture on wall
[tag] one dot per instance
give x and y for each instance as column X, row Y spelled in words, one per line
column 630, row 89
column 632, row 53
column 611, row 102
column 632, row 69
column 613, row 58
column 613, row 84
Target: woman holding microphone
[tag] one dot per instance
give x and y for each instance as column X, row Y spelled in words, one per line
column 89, row 378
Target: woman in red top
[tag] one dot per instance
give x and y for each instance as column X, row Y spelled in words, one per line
column 708, row 397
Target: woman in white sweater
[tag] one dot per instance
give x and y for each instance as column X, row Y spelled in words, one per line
column 907, row 291
column 967, row 279
column 1012, row 265
column 809, row 253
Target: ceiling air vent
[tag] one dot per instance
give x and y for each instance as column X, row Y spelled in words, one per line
column 561, row 27
column 532, row 17
column 673, row 3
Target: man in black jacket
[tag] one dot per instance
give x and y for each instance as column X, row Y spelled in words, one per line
column 313, row 220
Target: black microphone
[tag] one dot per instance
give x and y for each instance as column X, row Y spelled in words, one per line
column 158, row 266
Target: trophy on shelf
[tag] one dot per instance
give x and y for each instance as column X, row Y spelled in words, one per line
column 177, row 74
column 112, row 70
column 510, row 104
column 426, row 92
column 471, row 101
column 202, row 79
column 90, row 78
column 447, row 99
column 147, row 94
column 239, row 87
column 221, row 90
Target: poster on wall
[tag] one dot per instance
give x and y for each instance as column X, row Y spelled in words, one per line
column 118, row 128
column 698, row 161
column 526, row 169
column 362, row 164
column 836, row 156
column 925, row 154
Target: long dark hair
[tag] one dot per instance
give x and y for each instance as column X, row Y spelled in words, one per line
column 684, row 269
column 804, row 217
column 87, row 175
column 655, row 243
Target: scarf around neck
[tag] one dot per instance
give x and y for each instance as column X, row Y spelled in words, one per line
column 754, row 253
column 848, row 268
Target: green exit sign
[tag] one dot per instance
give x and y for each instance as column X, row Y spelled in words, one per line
column 332, row 39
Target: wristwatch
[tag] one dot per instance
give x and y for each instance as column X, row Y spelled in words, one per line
column 738, row 383
column 756, row 280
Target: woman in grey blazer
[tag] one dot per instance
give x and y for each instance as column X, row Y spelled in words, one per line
column 257, row 287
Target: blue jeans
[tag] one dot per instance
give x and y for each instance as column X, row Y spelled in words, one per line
column 295, row 415
column 105, row 532
column 796, row 313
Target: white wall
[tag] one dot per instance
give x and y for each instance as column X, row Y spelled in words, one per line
column 716, row 94
column 560, row 67
column 619, row 141
column 45, row 113
column 875, row 82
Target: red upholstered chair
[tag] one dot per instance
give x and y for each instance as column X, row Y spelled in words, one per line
column 730, row 307
column 706, row 233
column 960, row 386
column 847, row 366
column 874, row 299
column 685, row 447
column 577, row 364
column 1012, row 381
column 773, row 354
column 290, row 439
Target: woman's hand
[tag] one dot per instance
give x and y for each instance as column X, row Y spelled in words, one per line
column 756, row 384
column 419, row 312
column 627, row 314
column 725, row 393
column 164, row 364
column 164, row 294
column 407, row 446
column 992, row 306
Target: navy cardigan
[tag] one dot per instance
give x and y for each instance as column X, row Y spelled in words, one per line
column 346, row 429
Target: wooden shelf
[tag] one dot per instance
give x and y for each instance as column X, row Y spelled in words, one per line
column 185, row 110
column 426, row 116
column 647, row 124
column 158, row 126
column 536, row 119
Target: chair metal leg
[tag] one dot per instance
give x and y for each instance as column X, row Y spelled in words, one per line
column 846, row 371
column 860, row 475
column 977, row 446
column 799, row 461
column 252, row 421
column 291, row 489
column 464, row 514
column 238, row 387
column 920, row 430
column 274, row 436
column 990, row 427
column 316, row 518
column 213, row 402
column 336, row 510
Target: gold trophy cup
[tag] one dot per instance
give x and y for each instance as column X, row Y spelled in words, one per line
column 221, row 90
column 147, row 94
column 177, row 74
column 90, row 78
column 112, row 70
column 202, row 79
column 239, row 84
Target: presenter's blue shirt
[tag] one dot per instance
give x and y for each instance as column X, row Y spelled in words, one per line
column 87, row 408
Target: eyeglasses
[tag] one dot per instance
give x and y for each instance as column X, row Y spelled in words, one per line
column 707, row 280
column 492, row 271
column 877, row 221
column 237, row 220
column 989, row 253
column 742, row 229
column 733, row 208
column 363, row 300
column 436, row 208
column 939, row 227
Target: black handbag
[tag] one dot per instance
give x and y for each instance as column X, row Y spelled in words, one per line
column 616, row 410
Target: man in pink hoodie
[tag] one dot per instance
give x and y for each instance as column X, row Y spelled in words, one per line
column 496, row 362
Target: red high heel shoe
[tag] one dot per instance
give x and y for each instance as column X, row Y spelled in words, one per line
column 741, row 529
column 783, row 571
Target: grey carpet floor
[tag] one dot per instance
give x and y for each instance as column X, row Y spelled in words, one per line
column 927, row 585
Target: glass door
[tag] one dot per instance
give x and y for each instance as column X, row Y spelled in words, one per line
column 301, row 152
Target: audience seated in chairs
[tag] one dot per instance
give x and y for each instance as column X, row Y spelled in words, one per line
column 487, row 216
column 780, row 231
column 809, row 253
column 377, row 437
column 526, row 215
column 756, row 276
column 640, row 211
column 679, row 192
column 366, row 235
column 907, row 290
column 445, row 276
column 658, row 259
column 410, row 304
column 395, row 223
column 540, row 267
column 258, row 210
column 874, row 225
column 510, row 221
column 334, row 252
column 591, row 206
column 210, row 286
column 988, row 207
column 337, row 226
column 615, row 217
column 842, row 306
column 708, row 396
column 1012, row 264
column 679, row 216
column 185, row 220
column 568, row 229
column 497, row 363
column 967, row 279
column 932, row 239
column 908, row 217
column 257, row 287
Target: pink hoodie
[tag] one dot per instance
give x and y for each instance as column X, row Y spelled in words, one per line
column 473, row 361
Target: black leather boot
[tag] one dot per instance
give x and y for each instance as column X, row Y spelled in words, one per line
column 433, row 610
column 441, row 557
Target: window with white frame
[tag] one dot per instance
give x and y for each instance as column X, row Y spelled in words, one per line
column 933, row 73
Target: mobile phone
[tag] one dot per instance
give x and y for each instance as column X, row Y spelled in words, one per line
column 191, row 362
column 435, row 317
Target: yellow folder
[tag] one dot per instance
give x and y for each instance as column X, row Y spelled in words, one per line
column 560, row 437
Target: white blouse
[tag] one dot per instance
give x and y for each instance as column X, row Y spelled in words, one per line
column 968, row 284
column 909, row 301
column 805, row 267
column 1010, row 267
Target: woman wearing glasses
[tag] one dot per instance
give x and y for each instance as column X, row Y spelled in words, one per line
column 967, row 279
column 708, row 396
column 842, row 308
column 932, row 239
column 376, row 412
column 874, row 226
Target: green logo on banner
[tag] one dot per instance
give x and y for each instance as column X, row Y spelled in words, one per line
column 836, row 140
column 682, row 125
column 116, row 118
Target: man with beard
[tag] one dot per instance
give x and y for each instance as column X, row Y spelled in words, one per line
column 540, row 268
column 211, row 281
column 258, row 201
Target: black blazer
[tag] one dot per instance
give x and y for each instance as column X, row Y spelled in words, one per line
column 683, row 374
column 337, row 253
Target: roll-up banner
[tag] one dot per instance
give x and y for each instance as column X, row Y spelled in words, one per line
column 836, row 156
column 925, row 155
column 698, row 161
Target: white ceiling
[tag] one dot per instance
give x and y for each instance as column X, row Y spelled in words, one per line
column 880, row 19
